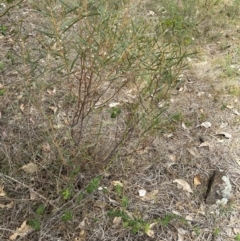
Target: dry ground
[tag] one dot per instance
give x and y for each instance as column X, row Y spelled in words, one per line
column 210, row 92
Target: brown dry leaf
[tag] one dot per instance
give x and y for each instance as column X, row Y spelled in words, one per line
column 184, row 126
column 117, row 221
column 23, row 230
column 81, row 224
column 150, row 196
column 197, row 180
column 53, row 108
column 204, row 144
column 58, row 126
column 114, row 202
column 181, row 234
column 202, row 210
column 182, row 184
column 52, row 92
column 100, row 204
column 30, row 168
column 114, row 104
column 82, row 236
column 2, row 193
column 46, row 147
column 150, row 232
column 33, row 195
column 193, row 152
column 236, row 112
column 176, row 213
column 7, row 206
column 173, row 158
column 225, row 134
column 168, row 135
column 21, row 107
column 238, row 161
column 189, row 218
column 115, row 183
column 236, row 230
column 230, row 107
column 206, row 124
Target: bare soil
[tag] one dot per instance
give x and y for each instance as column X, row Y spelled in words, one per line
column 210, row 92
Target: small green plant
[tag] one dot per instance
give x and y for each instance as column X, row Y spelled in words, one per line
column 35, row 224
column 1, row 65
column 119, row 189
column 67, row 216
column 3, row 30
column 177, row 116
column 189, row 123
column 40, row 210
column 216, row 231
column 223, row 107
column 202, row 117
column 134, row 224
column 96, row 220
column 2, row 91
column 237, row 238
column 93, row 185
column 166, row 219
column 197, row 230
column 115, row 111
column 138, row 224
column 66, row 194
column 10, row 1
column 124, row 202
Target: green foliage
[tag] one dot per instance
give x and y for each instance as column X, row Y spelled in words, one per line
column 197, row 230
column 35, row 224
column 66, row 193
column 128, row 51
column 67, row 216
column 138, row 224
column 93, row 185
column 237, row 238
column 40, row 210
column 167, row 219
column 1, row 65
column 124, row 202
column 10, row 1
column 3, row 30
column 216, row 231
column 177, row 116
column 115, row 111
column 134, row 224
column 118, row 189
column 2, row 91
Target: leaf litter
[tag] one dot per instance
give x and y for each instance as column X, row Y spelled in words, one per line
column 187, row 173
column 30, row 168
column 22, row 231
column 182, row 184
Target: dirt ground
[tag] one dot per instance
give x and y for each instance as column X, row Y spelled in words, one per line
column 210, row 92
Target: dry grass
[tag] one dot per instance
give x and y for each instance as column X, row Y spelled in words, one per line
column 73, row 194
